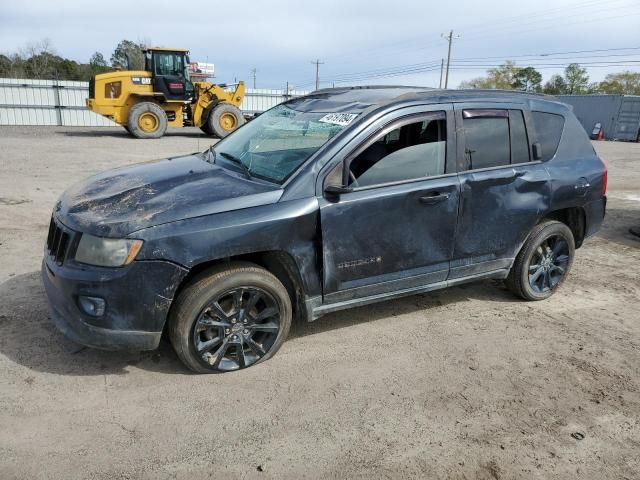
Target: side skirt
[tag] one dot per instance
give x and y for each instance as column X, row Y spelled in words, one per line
column 316, row 309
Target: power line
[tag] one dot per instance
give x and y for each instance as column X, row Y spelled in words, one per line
column 562, row 24
column 582, row 6
column 477, row 63
column 537, row 64
column 549, row 54
column 526, row 18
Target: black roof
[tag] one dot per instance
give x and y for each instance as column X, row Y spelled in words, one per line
column 359, row 99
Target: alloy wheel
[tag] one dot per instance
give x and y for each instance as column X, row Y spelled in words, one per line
column 548, row 264
column 237, row 328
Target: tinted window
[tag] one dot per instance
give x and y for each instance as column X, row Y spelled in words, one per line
column 548, row 131
column 169, row 64
column 519, row 142
column 412, row 151
column 487, row 139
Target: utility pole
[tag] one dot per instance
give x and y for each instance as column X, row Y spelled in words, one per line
column 317, row 63
column 253, row 74
column 449, row 38
column 441, row 72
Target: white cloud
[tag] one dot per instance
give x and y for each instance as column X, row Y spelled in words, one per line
column 281, row 37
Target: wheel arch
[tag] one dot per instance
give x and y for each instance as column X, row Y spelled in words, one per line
column 572, row 217
column 278, row 262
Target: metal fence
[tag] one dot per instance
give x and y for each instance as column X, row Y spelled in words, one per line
column 62, row 103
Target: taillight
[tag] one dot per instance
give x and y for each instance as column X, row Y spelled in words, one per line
column 605, row 177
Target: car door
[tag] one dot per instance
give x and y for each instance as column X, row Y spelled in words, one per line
column 388, row 214
column 503, row 190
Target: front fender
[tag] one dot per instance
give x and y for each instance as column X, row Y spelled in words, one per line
column 291, row 227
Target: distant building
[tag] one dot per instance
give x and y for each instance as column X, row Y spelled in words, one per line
column 619, row 115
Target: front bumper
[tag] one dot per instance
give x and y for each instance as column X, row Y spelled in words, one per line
column 137, row 299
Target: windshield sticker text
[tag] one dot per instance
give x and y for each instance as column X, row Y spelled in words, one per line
column 339, row 118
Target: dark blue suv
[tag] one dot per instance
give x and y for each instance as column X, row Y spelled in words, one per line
column 337, row 199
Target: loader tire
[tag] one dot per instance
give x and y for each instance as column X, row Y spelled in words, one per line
column 224, row 119
column 147, row 120
column 205, row 129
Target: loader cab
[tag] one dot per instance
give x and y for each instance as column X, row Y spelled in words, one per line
column 170, row 73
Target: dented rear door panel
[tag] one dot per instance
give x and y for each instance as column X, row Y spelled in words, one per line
column 498, row 207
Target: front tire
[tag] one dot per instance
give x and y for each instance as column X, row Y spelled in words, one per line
column 229, row 318
column 147, row 120
column 544, row 261
column 205, row 129
column 224, row 119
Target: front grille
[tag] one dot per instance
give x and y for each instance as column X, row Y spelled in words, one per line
column 58, row 241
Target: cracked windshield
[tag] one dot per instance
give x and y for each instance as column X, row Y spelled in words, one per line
column 275, row 144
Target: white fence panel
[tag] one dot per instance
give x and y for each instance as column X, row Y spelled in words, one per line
column 62, row 103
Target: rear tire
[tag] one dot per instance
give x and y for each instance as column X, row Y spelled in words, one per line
column 224, row 119
column 544, row 261
column 230, row 317
column 147, row 120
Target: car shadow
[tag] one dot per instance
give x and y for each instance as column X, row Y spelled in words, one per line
column 616, row 227
column 116, row 132
column 487, row 290
column 28, row 336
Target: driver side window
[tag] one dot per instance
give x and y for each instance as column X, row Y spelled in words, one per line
column 411, row 151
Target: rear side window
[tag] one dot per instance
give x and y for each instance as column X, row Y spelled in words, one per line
column 487, row 138
column 548, row 130
column 495, row 138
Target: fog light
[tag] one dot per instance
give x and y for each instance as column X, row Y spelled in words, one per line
column 93, row 306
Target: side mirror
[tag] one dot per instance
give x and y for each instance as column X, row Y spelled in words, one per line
column 335, row 190
column 537, row 151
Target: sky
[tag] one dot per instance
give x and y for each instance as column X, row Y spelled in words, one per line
column 358, row 41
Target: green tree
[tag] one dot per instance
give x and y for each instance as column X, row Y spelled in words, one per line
column 128, row 55
column 497, row 78
column 97, row 64
column 556, row 85
column 5, row 66
column 576, row 79
column 527, row 79
column 623, row 83
column 507, row 77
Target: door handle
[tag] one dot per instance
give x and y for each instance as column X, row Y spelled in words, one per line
column 433, row 199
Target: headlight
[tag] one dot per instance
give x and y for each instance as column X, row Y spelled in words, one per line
column 107, row 252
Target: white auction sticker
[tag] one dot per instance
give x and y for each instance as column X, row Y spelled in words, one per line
column 339, row 118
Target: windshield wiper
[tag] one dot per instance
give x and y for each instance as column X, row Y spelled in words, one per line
column 237, row 161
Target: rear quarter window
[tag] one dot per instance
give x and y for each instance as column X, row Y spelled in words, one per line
column 548, row 130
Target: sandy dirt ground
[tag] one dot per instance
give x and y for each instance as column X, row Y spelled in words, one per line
column 467, row 383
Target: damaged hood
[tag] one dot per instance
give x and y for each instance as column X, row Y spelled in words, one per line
column 118, row 202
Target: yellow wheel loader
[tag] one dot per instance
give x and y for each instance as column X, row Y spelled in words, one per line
column 162, row 95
